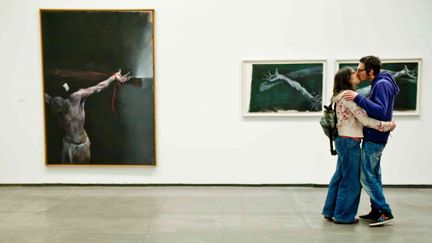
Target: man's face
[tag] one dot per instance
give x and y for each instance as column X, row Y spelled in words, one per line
column 361, row 72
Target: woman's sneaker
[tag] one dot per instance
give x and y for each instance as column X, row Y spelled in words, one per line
column 330, row 219
column 383, row 219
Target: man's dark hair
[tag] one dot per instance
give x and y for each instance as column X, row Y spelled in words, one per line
column 371, row 63
column 341, row 80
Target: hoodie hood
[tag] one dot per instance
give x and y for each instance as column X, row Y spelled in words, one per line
column 387, row 76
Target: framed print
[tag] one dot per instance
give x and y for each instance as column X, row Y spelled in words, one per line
column 98, row 87
column 283, row 88
column 407, row 74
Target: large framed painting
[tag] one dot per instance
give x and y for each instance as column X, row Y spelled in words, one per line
column 98, row 87
column 407, row 74
column 283, row 88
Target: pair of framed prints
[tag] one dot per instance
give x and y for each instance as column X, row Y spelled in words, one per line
column 298, row 87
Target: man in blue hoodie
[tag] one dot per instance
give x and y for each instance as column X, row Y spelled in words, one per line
column 378, row 105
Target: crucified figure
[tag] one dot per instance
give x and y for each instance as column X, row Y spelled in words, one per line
column 315, row 101
column 71, row 114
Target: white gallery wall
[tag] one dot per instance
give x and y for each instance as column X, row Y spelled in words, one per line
column 201, row 136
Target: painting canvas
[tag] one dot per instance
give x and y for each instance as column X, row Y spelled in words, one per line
column 98, row 87
column 407, row 74
column 283, row 88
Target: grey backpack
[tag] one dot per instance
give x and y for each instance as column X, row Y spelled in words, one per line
column 328, row 123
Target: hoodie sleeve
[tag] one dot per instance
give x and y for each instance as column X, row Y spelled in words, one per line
column 379, row 106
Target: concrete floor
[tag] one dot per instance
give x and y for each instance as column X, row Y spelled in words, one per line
column 199, row 214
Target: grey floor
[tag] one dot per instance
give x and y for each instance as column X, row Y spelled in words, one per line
column 199, row 214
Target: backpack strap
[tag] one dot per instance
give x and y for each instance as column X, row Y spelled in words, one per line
column 332, row 149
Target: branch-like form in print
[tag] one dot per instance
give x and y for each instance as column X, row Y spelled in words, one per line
column 292, row 75
column 405, row 74
column 268, row 85
column 276, row 78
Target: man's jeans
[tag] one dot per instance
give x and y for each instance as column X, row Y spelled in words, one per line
column 344, row 189
column 371, row 174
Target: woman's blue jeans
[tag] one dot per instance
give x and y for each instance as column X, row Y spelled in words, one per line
column 371, row 175
column 343, row 194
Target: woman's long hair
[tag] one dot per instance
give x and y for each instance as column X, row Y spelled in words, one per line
column 341, row 80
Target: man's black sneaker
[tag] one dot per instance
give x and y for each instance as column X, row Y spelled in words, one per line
column 372, row 215
column 383, row 219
